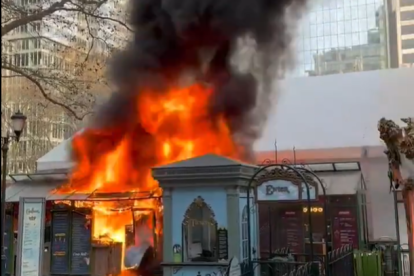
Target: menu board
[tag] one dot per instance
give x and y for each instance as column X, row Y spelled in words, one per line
column 7, row 263
column 344, row 227
column 60, row 242
column 30, row 241
column 223, row 244
column 292, row 230
column 81, row 243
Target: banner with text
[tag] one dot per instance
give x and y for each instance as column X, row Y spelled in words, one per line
column 30, row 238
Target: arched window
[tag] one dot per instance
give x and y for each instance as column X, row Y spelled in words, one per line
column 199, row 233
column 244, row 236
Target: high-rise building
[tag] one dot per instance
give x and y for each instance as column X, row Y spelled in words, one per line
column 339, row 36
column 51, row 48
column 401, row 32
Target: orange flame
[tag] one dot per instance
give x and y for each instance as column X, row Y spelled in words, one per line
column 168, row 127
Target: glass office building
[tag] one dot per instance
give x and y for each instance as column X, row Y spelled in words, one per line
column 340, row 36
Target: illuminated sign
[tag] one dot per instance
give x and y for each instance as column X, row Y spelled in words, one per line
column 313, row 209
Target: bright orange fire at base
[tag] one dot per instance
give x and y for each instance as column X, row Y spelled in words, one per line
column 166, row 128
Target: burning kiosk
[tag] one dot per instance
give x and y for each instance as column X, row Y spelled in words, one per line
column 82, row 221
column 82, row 229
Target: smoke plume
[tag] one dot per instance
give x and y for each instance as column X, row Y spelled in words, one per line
column 174, row 37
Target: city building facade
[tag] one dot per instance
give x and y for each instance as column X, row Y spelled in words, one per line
column 48, row 48
column 401, row 30
column 340, row 36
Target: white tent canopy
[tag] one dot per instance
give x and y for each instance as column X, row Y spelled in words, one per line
column 317, row 112
column 56, row 159
column 337, row 110
column 59, row 158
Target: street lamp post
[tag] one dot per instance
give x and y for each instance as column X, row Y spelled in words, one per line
column 18, row 121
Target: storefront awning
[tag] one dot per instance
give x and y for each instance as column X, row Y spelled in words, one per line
column 48, row 191
column 69, row 196
column 331, row 167
column 43, row 184
column 342, row 183
column 29, row 189
column 102, row 196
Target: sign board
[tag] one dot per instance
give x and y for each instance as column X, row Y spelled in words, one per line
column 291, row 234
column 344, row 227
column 234, row 268
column 60, row 242
column 81, row 242
column 222, row 244
column 31, row 235
column 283, row 190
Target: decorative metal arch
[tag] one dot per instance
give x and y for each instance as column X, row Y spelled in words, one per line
column 322, row 185
column 287, row 175
column 289, row 172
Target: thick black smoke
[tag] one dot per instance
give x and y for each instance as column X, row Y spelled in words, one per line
column 170, row 36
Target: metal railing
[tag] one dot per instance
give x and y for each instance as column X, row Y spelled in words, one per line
column 341, row 261
column 282, row 263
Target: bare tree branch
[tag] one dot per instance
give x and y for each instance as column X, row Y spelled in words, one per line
column 42, row 91
column 76, row 70
column 101, row 17
column 54, row 55
column 32, row 17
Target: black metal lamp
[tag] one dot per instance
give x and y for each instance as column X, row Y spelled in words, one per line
column 18, row 123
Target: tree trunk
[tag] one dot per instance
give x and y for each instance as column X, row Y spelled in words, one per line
column 400, row 153
column 408, row 195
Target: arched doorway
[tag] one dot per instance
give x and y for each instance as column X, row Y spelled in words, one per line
column 284, row 220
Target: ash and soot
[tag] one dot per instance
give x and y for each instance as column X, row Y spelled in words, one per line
column 181, row 94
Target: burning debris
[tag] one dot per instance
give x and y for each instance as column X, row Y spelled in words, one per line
column 179, row 97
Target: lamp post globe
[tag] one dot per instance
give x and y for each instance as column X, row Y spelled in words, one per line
column 18, row 123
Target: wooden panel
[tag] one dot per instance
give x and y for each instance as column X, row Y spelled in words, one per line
column 107, row 260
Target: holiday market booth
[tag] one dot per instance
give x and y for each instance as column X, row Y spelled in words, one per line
column 196, row 225
column 84, row 234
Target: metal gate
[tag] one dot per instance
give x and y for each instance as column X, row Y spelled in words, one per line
column 297, row 186
column 294, row 186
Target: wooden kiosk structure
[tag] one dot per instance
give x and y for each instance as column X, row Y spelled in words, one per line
column 70, row 246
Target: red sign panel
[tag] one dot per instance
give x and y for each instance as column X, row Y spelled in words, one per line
column 344, row 227
column 292, row 230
